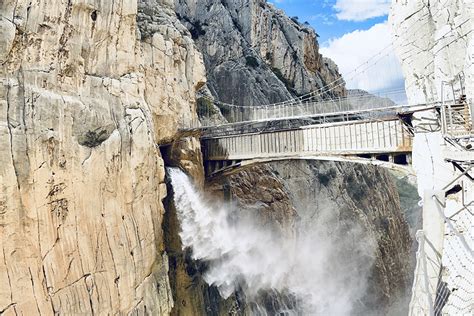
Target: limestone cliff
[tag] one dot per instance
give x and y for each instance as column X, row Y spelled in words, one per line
column 346, row 192
column 88, row 89
column 254, row 54
column 300, row 197
column 434, row 41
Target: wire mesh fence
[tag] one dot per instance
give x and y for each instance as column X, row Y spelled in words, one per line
column 456, row 289
column 450, row 291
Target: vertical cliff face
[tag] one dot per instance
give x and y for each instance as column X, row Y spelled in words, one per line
column 86, row 94
column 342, row 196
column 435, row 43
column 434, row 40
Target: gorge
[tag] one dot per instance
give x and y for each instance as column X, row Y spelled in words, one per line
column 105, row 207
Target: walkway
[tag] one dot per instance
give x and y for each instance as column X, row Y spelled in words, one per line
column 381, row 134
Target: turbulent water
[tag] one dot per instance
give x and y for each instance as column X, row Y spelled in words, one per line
column 325, row 270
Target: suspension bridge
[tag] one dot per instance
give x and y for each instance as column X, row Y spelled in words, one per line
column 320, row 130
column 320, row 126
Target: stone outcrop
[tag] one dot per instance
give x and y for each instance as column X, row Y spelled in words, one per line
column 254, row 54
column 434, row 41
column 88, row 89
column 260, row 192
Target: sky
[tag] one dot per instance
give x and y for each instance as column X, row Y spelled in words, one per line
column 351, row 32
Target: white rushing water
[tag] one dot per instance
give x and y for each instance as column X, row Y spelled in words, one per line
column 324, row 269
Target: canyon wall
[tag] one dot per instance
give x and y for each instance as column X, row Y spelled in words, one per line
column 365, row 228
column 88, row 90
column 435, row 43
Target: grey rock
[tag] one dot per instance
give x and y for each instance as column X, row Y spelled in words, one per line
column 364, row 100
column 254, row 54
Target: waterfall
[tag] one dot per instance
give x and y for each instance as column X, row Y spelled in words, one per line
column 324, row 269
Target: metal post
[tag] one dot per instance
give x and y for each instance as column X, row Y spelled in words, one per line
column 461, row 84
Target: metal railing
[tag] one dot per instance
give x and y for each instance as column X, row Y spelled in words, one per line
column 215, row 115
column 444, row 274
column 456, row 120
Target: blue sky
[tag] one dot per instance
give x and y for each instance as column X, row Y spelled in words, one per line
column 322, row 15
column 351, row 32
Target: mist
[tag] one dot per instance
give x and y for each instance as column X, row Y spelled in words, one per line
column 325, row 268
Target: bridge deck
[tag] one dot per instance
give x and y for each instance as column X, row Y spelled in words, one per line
column 344, row 138
column 383, row 134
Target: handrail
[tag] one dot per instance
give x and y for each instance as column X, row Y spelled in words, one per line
column 392, row 110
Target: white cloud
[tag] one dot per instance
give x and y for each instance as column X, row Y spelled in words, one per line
column 354, row 49
column 360, row 10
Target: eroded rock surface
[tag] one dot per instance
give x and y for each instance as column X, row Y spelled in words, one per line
column 86, row 94
column 254, row 54
column 434, row 41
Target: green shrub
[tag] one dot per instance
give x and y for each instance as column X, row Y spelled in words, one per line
column 205, row 108
column 325, row 178
column 408, row 194
column 94, row 138
column 196, row 30
column 356, row 191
